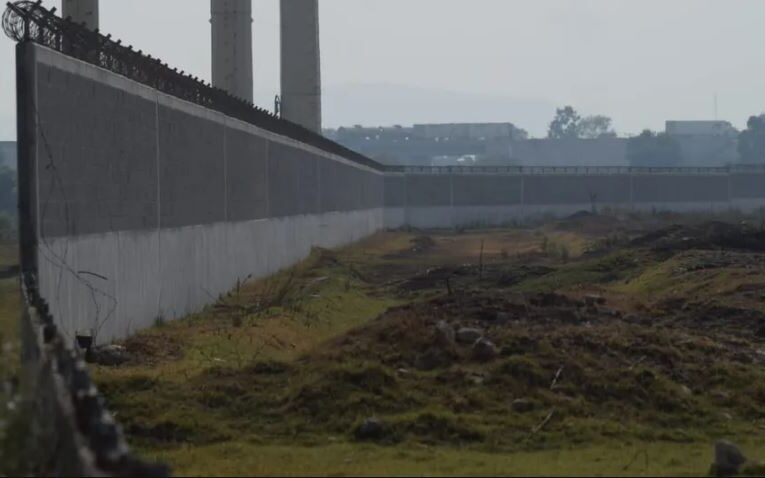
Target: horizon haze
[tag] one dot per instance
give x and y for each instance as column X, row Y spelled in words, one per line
column 641, row 63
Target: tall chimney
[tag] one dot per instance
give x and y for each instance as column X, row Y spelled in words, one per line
column 301, row 63
column 81, row 11
column 232, row 46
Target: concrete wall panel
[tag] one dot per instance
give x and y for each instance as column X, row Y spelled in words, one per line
column 79, row 280
column 283, row 179
column 676, row 188
column 246, row 176
column 394, row 218
column 308, row 184
column 428, row 190
column 747, row 186
column 374, row 195
column 191, row 169
column 487, row 190
column 106, row 180
column 542, row 190
column 329, row 199
column 394, row 191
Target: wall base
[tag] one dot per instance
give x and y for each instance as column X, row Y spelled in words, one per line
column 168, row 274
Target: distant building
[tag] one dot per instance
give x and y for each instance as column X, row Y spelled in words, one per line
column 607, row 151
column 462, row 144
column 430, row 144
column 477, row 131
column 700, row 128
column 8, row 156
column 705, row 143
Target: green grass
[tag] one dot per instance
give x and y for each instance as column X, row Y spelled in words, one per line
column 306, row 305
column 252, row 459
column 603, row 269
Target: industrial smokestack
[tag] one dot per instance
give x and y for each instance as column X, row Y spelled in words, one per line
column 232, row 47
column 81, row 11
column 301, row 63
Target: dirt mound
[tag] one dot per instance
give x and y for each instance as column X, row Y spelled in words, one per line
column 712, row 318
column 579, row 358
column 709, row 235
column 437, row 277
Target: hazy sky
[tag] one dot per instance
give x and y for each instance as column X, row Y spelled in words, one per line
column 638, row 61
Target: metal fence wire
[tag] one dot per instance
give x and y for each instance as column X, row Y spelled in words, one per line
column 70, row 431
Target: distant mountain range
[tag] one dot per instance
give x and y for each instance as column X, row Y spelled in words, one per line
column 387, row 105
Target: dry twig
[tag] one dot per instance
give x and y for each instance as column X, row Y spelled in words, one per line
column 557, row 377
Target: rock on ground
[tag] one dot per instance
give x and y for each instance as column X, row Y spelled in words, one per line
column 432, row 359
column 108, row 355
column 594, row 299
column 371, row 429
column 485, row 350
column 445, row 335
column 522, row 405
column 468, row 336
column 728, row 459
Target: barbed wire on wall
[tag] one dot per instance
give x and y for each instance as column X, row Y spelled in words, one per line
column 28, row 21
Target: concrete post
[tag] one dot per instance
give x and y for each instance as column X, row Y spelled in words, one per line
column 232, row 47
column 301, row 63
column 81, row 11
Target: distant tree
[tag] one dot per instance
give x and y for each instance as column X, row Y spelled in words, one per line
column 568, row 124
column 593, row 127
column 751, row 141
column 565, row 124
column 654, row 149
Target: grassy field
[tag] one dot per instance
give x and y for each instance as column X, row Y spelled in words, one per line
column 278, row 377
column 645, row 459
column 9, row 299
column 10, row 308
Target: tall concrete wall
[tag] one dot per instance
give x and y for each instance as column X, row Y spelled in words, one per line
column 301, row 63
column 445, row 198
column 232, row 63
column 142, row 206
